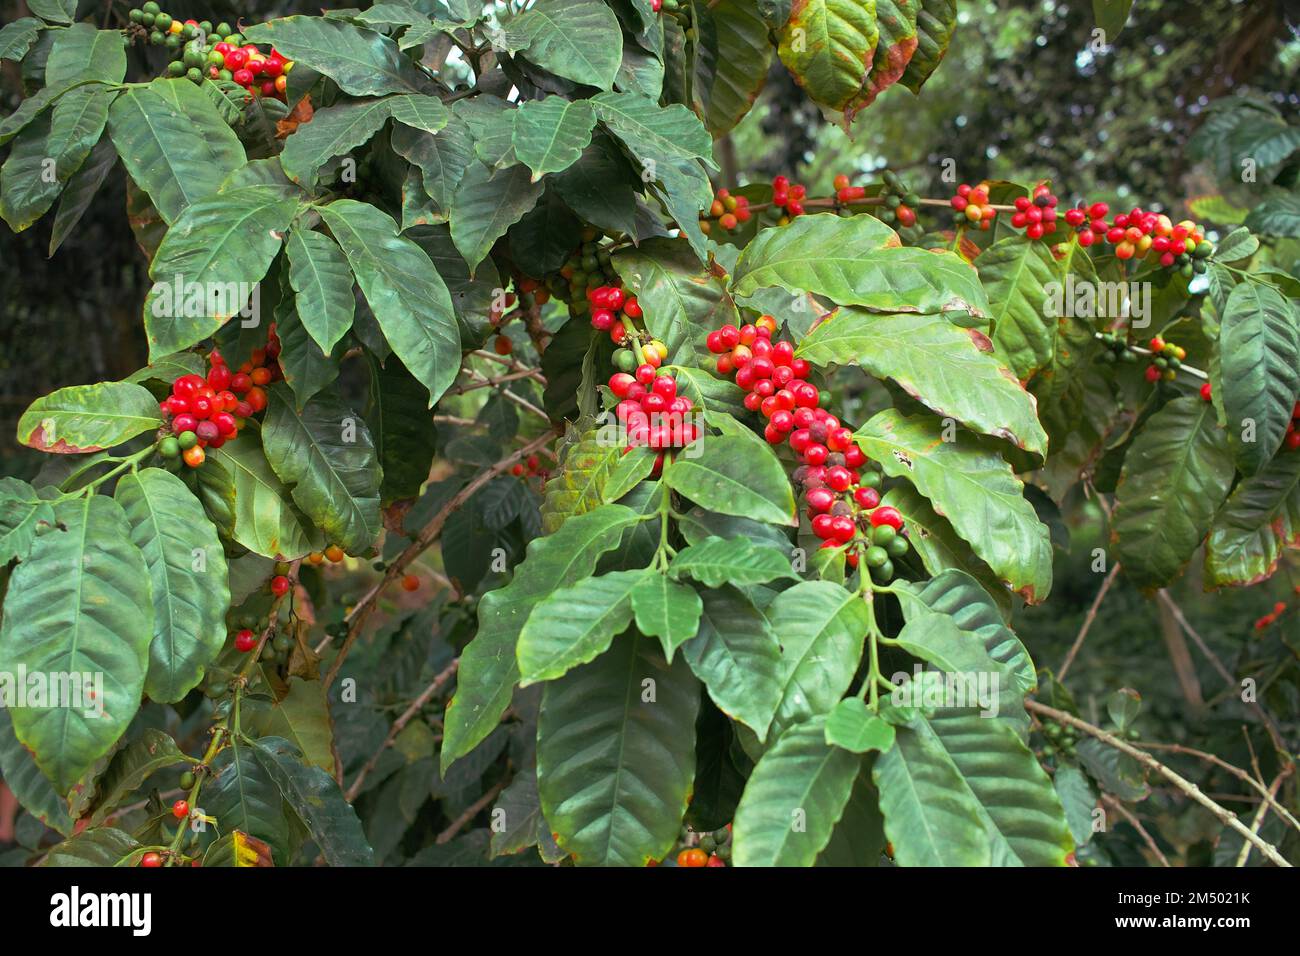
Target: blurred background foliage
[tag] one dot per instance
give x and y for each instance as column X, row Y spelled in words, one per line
column 1024, row 93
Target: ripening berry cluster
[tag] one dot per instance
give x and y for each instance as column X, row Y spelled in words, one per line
column 1139, row 233
column 612, row 311
column 1263, row 623
column 899, row 204
column 652, row 413
column 1117, row 349
column 840, row 489
column 788, row 198
column 208, row 412
column 712, row 849
column 1166, row 360
column 204, row 53
column 587, row 268
column 971, row 206
column 531, row 467
column 727, row 211
column 1036, row 215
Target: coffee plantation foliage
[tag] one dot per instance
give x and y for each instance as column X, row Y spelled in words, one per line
column 613, row 656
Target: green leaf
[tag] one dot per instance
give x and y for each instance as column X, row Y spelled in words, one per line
column 667, row 610
column 630, row 470
column 717, row 561
column 936, row 22
column 54, row 11
column 17, row 37
column 616, row 755
column 1111, row 15
column 442, row 157
column 101, row 846
column 1260, row 519
column 931, row 817
column 333, row 131
column 1176, row 474
column 1017, row 805
column 204, row 272
column 1259, row 342
column 362, row 62
column 187, row 574
column 326, row 454
column 302, row 717
column 243, row 796
column 973, row 488
column 174, row 143
column 23, row 515
column 80, row 191
column 575, row 624
column 576, row 39
column 896, row 20
column 1078, row 800
column 488, row 670
column 550, row 134
column 322, row 283
column 85, row 418
column 83, row 53
column 79, row 605
column 651, row 131
column 854, row 728
column 1116, row 772
column 252, row 506
column 601, row 187
column 682, row 302
column 957, row 596
column 729, row 476
column 1277, row 215
column 947, row 368
column 487, row 203
column 578, row 486
column 318, row 801
column 28, row 186
column 732, row 56
column 737, row 657
column 403, row 430
column 828, row 47
column 1017, row 273
column 491, row 124
column 407, row 295
column 129, row 769
column 236, row 849
column 24, row 778
column 821, row 627
column 794, row 798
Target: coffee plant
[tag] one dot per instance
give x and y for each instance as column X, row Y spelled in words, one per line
column 506, row 484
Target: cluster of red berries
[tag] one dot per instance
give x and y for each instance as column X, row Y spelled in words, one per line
column 652, row 413
column 971, row 206
column 1138, row 233
column 208, row 412
column 833, row 472
column 788, row 198
column 612, row 310
column 1166, row 360
column 727, row 210
column 531, row 467
column 1036, row 214
column 250, row 68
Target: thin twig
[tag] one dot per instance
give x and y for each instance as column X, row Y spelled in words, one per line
column 400, row 724
column 1087, row 621
column 1136, row 824
column 1227, row 817
column 1255, row 824
column 468, row 816
column 1224, row 765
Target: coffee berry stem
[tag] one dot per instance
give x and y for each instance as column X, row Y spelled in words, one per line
column 1190, row 370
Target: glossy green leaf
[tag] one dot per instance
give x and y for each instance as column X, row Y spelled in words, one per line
column 973, row 488
column 173, row 143
column 85, row 418
column 1017, row 273
column 949, row 369
column 442, row 157
column 403, row 430
column 616, row 755
column 101, row 846
column 854, row 728
column 575, row 624
column 17, row 37
column 131, row 767
column 318, row 801
column 665, row 609
column 79, row 605
column 550, row 134
column 23, row 515
column 728, row 476
column 717, row 561
column 1259, row 341
column 487, row 203
column 577, row 39
column 828, row 47
column 362, row 62
column 578, row 485
column 794, row 798
column 651, row 131
column 1260, row 519
column 54, row 11
column 81, row 190
column 187, row 575
column 732, row 55
column 405, row 292
column 1175, row 476
column 209, row 262
column 936, row 22
column 322, row 283
column 243, row 796
column 488, row 670
column 325, row 453
column 26, row 781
